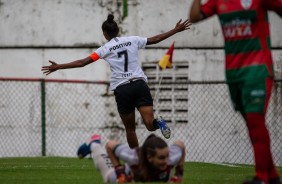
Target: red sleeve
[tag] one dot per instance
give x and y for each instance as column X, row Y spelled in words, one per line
column 94, row 56
column 275, row 5
column 209, row 8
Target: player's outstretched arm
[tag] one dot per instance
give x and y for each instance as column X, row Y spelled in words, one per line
column 195, row 11
column 180, row 26
column 179, row 169
column 75, row 64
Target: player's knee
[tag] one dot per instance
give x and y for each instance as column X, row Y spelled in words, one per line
column 110, row 145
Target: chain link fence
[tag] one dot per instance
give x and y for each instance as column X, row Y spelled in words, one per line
column 52, row 118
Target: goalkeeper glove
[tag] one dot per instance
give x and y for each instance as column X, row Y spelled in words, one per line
column 175, row 179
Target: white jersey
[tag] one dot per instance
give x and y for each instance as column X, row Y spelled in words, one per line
column 122, row 55
column 130, row 156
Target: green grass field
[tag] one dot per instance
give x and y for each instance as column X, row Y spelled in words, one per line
column 61, row 170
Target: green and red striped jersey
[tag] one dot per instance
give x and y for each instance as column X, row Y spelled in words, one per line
column 245, row 28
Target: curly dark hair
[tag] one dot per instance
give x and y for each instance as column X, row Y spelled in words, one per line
column 110, row 26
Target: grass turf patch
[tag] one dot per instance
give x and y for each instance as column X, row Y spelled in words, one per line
column 61, row 170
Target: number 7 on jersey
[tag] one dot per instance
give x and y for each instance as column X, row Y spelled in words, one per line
column 125, row 59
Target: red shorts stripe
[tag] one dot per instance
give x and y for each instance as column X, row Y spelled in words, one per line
column 236, row 61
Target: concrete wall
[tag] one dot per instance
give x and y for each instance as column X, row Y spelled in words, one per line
column 76, row 25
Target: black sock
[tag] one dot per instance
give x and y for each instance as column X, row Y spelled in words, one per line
column 156, row 124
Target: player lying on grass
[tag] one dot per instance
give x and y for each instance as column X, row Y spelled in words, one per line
column 152, row 162
column 128, row 81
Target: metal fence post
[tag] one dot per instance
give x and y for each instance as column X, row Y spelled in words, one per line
column 43, row 118
column 125, row 11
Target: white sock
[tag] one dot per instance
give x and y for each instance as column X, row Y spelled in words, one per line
column 102, row 162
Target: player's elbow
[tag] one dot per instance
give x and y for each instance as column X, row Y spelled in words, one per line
column 194, row 18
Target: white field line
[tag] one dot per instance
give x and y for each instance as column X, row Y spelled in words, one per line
column 229, row 165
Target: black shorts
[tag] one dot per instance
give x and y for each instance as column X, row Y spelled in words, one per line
column 131, row 95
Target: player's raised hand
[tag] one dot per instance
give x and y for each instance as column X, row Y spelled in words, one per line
column 51, row 68
column 182, row 26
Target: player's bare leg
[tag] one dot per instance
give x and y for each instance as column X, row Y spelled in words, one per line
column 130, row 127
column 99, row 157
column 151, row 123
column 102, row 162
column 147, row 115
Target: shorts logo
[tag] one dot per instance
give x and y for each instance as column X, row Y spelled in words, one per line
column 258, row 93
column 246, row 4
column 257, row 96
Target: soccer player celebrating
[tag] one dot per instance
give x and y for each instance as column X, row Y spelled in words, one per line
column 249, row 69
column 128, row 81
column 154, row 161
